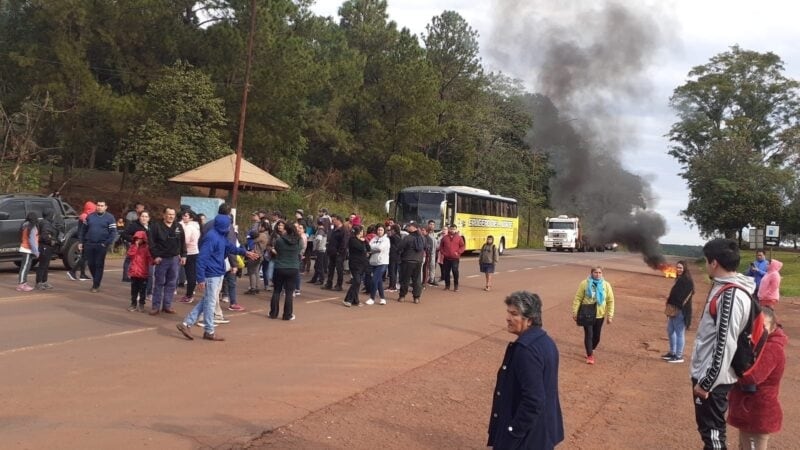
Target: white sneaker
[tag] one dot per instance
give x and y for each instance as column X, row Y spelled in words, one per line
column 382, row 302
column 296, row 293
column 224, row 300
column 221, row 321
column 370, row 302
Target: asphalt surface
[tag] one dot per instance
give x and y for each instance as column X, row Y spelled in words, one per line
column 79, row 371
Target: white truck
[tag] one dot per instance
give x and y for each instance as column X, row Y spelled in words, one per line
column 563, row 233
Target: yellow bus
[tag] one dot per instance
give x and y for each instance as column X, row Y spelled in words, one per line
column 476, row 212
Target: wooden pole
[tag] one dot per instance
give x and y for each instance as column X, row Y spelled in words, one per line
column 243, row 109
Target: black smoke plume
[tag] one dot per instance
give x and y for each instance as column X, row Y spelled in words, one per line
column 587, row 59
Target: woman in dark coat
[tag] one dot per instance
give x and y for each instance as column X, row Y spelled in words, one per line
column 526, row 412
column 359, row 251
column 680, row 299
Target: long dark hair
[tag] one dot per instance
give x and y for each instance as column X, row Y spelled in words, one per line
column 31, row 221
column 686, row 272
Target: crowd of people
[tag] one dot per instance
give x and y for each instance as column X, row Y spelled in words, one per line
column 184, row 250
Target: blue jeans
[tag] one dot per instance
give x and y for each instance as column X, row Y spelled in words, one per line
column 165, row 280
column 376, row 286
column 676, row 330
column 230, row 284
column 206, row 305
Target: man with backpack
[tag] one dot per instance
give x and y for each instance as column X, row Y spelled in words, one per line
column 725, row 316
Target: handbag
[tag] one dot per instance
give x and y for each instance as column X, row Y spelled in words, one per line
column 671, row 310
column 587, row 313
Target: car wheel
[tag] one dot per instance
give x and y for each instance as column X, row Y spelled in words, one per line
column 71, row 254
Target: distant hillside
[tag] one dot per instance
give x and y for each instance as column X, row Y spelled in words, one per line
column 689, row 251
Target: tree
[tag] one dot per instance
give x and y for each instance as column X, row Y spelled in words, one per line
column 731, row 188
column 737, row 93
column 185, row 127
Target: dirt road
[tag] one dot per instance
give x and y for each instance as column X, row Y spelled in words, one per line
column 79, row 371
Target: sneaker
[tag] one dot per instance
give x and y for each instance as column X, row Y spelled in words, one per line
column 94, row 290
column 212, row 337
column 84, row 278
column 338, row 288
column 185, row 330
column 382, row 302
column 296, row 293
column 667, row 356
column 291, row 318
column 140, row 308
column 370, row 302
column 236, row 307
column 71, row 276
column 39, row 286
column 24, row 287
column 47, row 285
column 391, row 290
column 416, row 299
column 346, row 303
column 132, row 308
column 400, row 299
column 221, row 321
column 186, row 299
column 590, row 360
column 250, row 291
column 675, row 360
column 224, row 300
column 455, row 289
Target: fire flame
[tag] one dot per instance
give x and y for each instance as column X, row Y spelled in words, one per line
column 668, row 271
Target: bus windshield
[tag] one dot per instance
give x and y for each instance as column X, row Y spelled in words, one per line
column 561, row 226
column 419, row 207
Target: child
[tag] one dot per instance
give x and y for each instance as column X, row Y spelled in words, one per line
column 487, row 260
column 320, row 258
column 139, row 270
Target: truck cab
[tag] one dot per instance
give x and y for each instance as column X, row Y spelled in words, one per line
column 563, row 232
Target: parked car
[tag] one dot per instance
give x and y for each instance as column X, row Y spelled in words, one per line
column 14, row 208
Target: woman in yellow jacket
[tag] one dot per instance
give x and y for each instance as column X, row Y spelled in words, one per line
column 594, row 290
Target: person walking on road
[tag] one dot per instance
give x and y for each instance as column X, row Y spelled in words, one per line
column 96, row 238
column 214, row 248
column 715, row 343
column 487, row 261
column 48, row 240
column 29, row 247
column 168, row 248
column 526, row 411
column 451, row 246
column 594, row 291
column 679, row 304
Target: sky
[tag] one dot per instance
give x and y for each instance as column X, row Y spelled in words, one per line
column 697, row 31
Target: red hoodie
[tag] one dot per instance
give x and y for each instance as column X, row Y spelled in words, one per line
column 141, row 260
column 760, row 412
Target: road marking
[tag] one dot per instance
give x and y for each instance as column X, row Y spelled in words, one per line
column 323, row 300
column 69, row 341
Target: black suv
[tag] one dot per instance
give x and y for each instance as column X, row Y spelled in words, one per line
column 14, row 208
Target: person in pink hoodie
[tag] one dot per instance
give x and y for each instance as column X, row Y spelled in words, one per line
column 769, row 290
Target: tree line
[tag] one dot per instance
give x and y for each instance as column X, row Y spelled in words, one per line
column 357, row 106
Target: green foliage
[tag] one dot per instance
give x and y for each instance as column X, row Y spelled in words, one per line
column 730, row 188
column 183, row 130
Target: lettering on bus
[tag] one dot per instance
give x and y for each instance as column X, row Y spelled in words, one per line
column 490, row 223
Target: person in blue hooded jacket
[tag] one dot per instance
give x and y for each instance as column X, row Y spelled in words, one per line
column 526, row 411
column 214, row 248
column 758, row 269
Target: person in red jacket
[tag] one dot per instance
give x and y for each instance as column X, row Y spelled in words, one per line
column 139, row 269
column 451, row 247
column 758, row 414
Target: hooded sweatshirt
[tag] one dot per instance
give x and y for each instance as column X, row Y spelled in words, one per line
column 214, row 247
column 716, row 339
column 769, row 290
column 140, row 257
column 760, row 412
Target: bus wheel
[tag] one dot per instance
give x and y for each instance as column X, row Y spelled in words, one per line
column 502, row 248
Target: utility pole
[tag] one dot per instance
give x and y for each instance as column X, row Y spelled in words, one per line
column 243, row 109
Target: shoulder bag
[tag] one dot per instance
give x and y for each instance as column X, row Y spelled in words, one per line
column 587, row 313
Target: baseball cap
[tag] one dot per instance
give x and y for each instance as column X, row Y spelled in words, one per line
column 298, row 210
column 411, row 224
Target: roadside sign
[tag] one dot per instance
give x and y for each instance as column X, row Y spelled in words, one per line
column 772, row 235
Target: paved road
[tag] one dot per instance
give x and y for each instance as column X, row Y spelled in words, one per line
column 79, row 371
